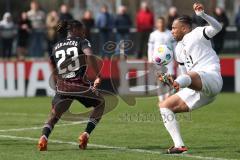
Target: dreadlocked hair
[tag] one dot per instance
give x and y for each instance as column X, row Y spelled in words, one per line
column 75, row 24
column 62, row 29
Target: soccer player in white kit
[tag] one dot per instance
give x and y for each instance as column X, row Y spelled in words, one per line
column 200, row 80
column 161, row 36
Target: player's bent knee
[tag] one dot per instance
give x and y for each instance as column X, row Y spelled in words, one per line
column 100, row 103
column 180, row 108
column 196, row 81
column 167, row 104
column 175, row 104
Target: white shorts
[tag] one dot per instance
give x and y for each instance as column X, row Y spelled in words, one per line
column 211, row 86
column 211, row 82
column 194, row 99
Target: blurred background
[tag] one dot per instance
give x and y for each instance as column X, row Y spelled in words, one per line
column 27, row 33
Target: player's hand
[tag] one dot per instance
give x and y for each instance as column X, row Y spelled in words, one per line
column 166, row 79
column 96, row 83
column 198, row 8
column 176, row 86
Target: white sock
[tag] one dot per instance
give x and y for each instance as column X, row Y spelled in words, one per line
column 172, row 126
column 87, row 134
column 45, row 137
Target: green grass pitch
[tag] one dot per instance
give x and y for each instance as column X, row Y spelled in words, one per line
column 212, row 132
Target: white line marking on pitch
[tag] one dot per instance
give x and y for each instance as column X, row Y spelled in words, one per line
column 21, row 114
column 40, row 127
column 117, row 148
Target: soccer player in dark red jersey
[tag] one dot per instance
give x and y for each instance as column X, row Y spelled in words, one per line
column 70, row 57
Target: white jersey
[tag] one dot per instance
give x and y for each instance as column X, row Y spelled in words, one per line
column 160, row 38
column 196, row 53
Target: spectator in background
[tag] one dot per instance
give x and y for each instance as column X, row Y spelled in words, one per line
column 161, row 36
column 24, row 29
column 8, row 32
column 172, row 14
column 198, row 21
column 237, row 19
column 51, row 23
column 123, row 24
column 145, row 24
column 218, row 40
column 237, row 23
column 104, row 23
column 38, row 39
column 88, row 21
column 64, row 13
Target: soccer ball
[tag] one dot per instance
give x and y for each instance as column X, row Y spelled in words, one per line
column 162, row 55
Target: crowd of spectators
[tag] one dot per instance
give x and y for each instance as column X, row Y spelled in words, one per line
column 35, row 31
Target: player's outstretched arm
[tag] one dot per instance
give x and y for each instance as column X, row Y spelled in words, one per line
column 214, row 27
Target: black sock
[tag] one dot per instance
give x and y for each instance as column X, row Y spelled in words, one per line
column 91, row 125
column 48, row 127
column 46, row 131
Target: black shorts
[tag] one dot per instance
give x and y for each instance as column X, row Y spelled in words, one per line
column 75, row 89
column 88, row 99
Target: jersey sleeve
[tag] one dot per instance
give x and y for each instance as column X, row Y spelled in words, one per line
column 201, row 33
column 85, row 44
column 213, row 28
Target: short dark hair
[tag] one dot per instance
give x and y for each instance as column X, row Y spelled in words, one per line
column 186, row 20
